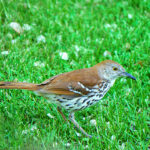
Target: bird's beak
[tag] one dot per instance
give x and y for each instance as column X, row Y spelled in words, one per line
column 128, row 75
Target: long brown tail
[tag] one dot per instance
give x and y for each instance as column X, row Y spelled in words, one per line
column 19, row 85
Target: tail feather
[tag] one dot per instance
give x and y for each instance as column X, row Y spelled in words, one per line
column 19, row 85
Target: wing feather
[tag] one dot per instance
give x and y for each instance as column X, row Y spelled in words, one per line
column 75, row 83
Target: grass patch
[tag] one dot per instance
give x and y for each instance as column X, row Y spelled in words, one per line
column 84, row 30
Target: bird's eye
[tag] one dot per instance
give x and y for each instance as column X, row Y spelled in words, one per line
column 115, row 69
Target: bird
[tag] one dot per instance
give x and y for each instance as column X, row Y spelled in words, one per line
column 76, row 90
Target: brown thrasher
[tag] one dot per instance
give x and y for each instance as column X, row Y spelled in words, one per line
column 77, row 89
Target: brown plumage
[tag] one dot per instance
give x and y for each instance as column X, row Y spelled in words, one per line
column 59, row 84
column 18, row 85
column 77, row 89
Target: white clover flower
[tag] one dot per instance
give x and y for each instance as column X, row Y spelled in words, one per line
column 113, row 137
column 16, row 26
column 39, row 64
column 24, row 131
column 77, row 48
column 41, row 38
column 106, row 53
column 67, row 144
column 147, row 99
column 108, row 124
column 130, row 16
column 34, row 127
column 78, row 134
column 5, row 52
column 86, row 147
column 128, row 91
column 93, row 122
column 50, row 116
column 122, row 146
column 114, row 26
column 26, row 27
column 107, row 25
column 59, row 37
column 63, row 55
column 13, row 41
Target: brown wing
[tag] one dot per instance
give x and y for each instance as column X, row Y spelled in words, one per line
column 77, row 82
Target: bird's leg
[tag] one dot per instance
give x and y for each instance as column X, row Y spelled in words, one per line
column 72, row 119
column 59, row 110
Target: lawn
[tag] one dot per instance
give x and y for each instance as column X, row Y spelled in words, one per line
column 53, row 37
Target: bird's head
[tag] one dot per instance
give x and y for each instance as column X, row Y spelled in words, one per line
column 110, row 70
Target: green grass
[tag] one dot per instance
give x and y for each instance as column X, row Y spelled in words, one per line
column 93, row 27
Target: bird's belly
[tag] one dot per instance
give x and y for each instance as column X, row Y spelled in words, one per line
column 72, row 103
column 76, row 103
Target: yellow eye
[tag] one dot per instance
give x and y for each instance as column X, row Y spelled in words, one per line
column 115, row 69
